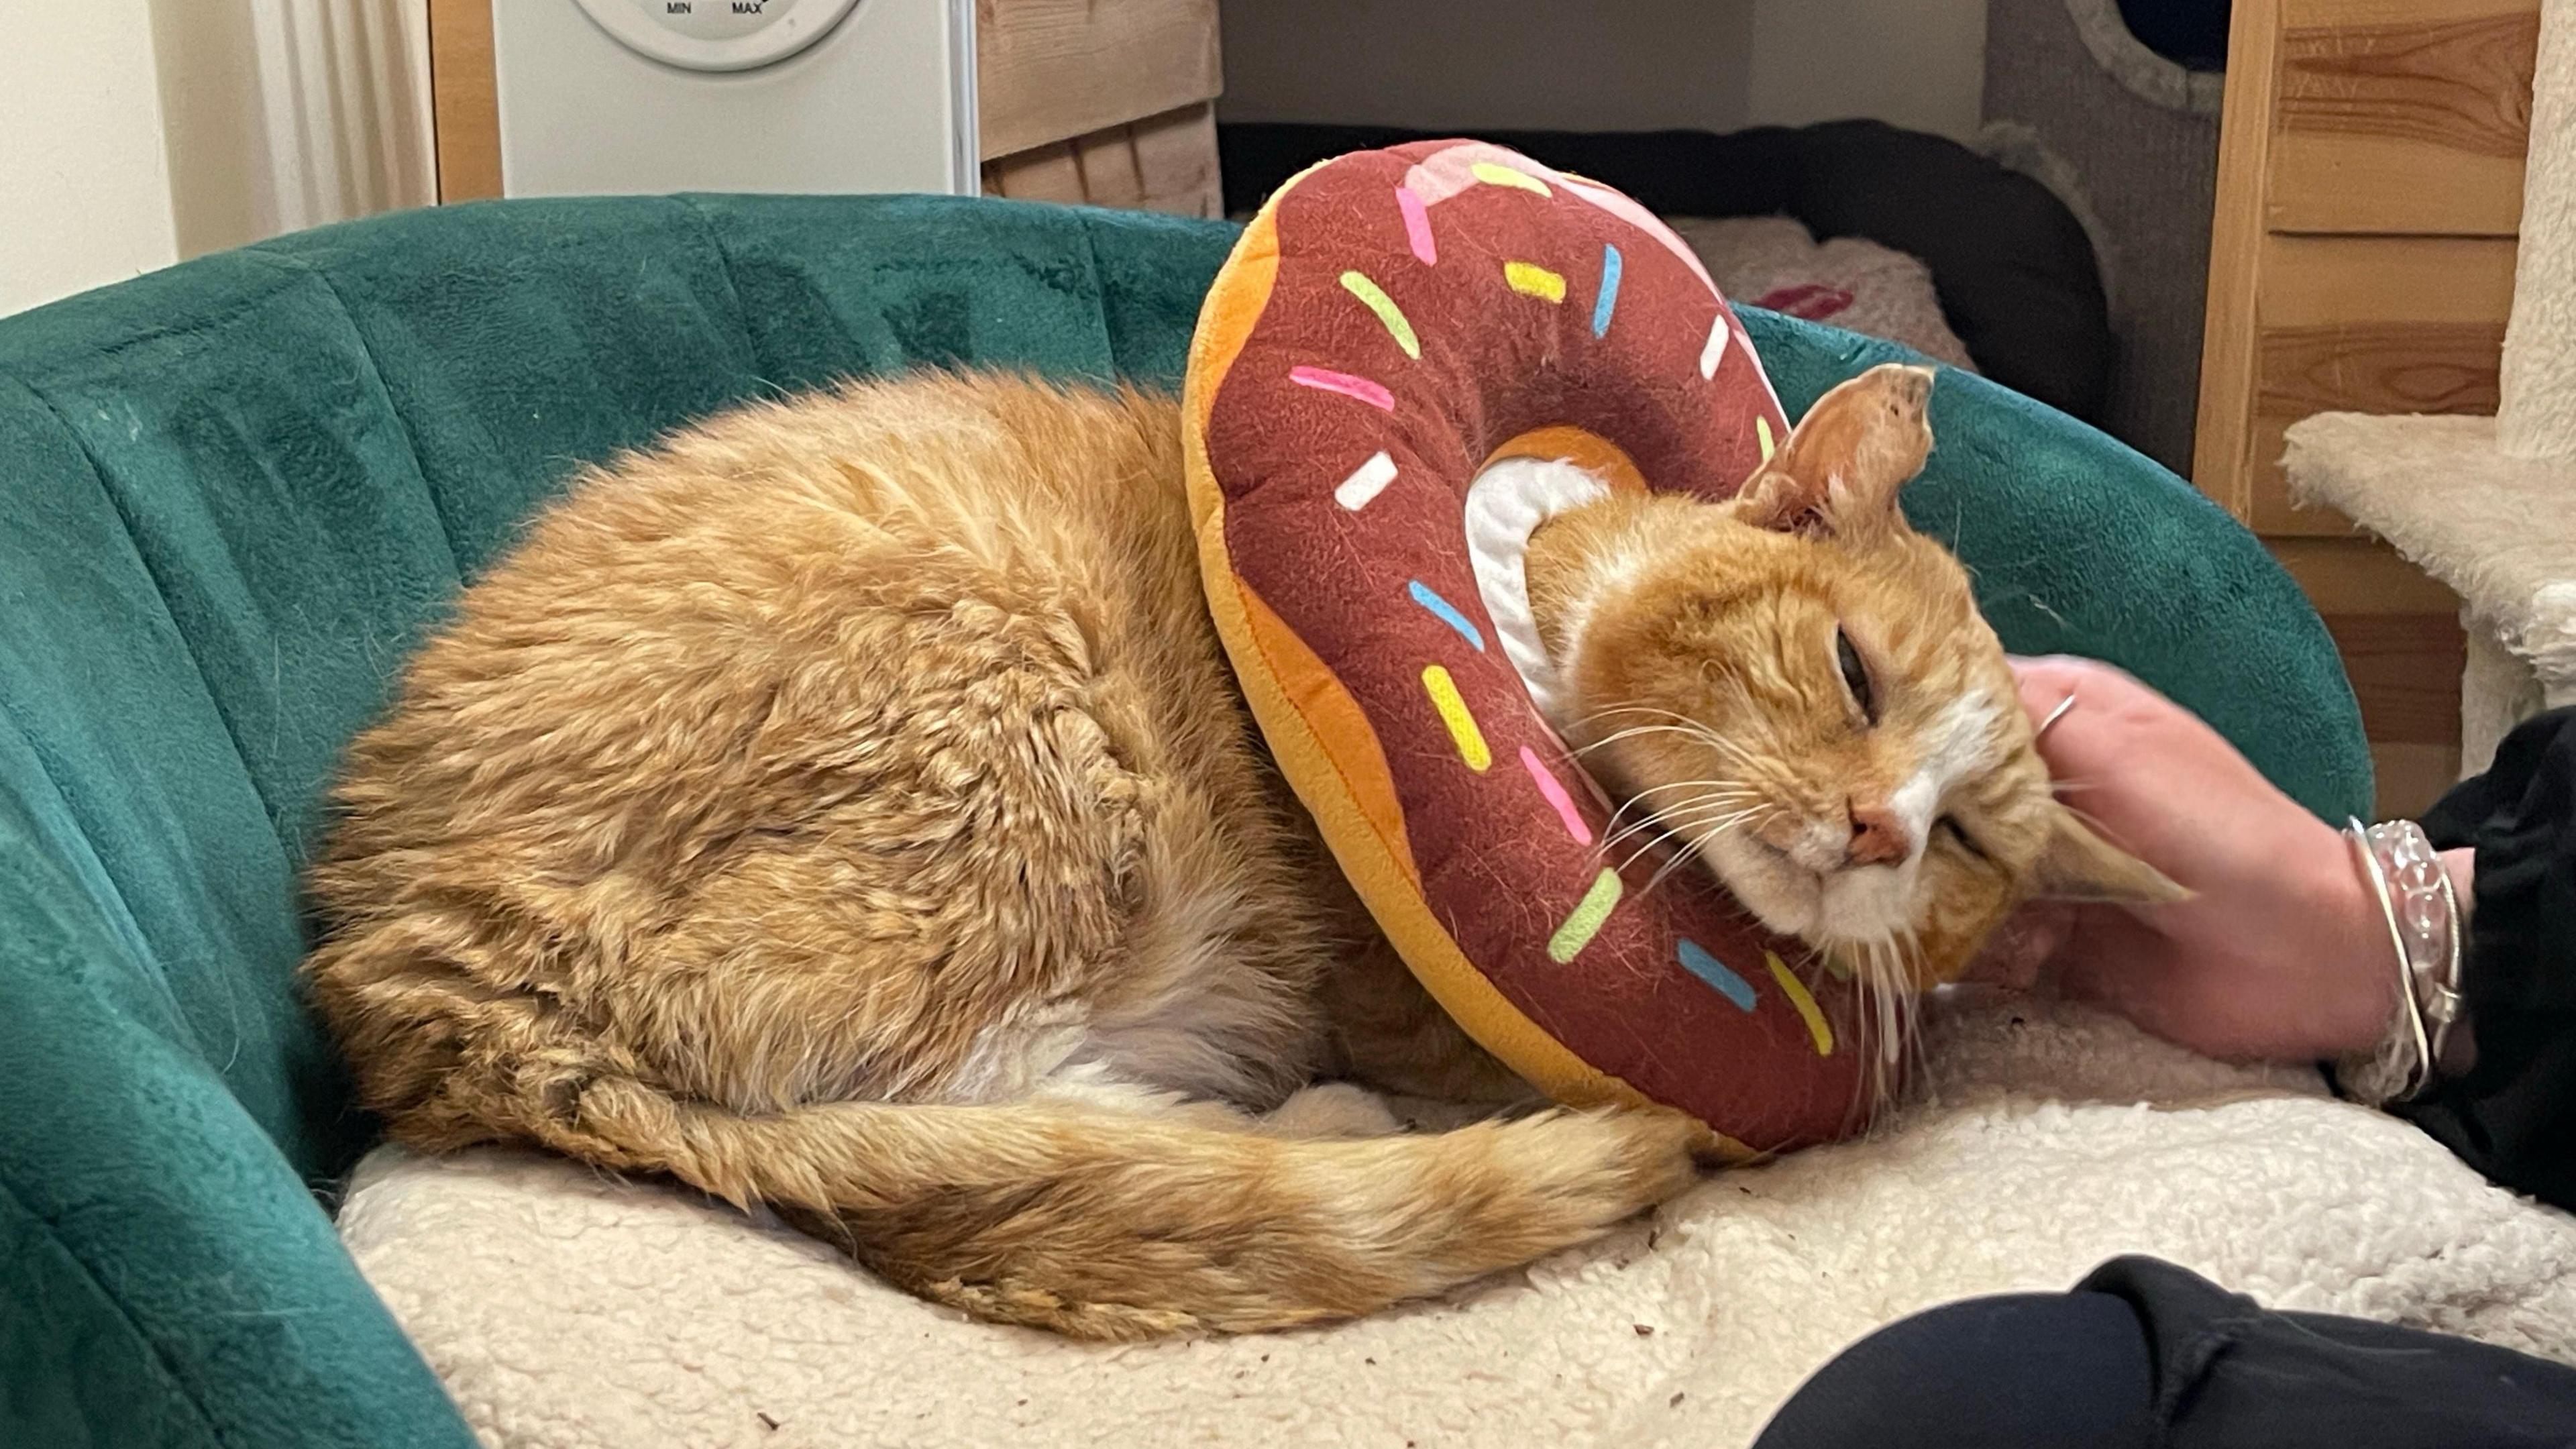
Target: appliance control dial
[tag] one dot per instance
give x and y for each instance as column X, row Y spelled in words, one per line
column 716, row 34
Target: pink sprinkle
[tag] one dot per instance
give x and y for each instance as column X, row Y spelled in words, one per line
column 1417, row 226
column 1345, row 384
column 1545, row 779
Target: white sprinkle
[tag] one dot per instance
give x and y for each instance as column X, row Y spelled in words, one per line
column 1366, row 482
column 1715, row 349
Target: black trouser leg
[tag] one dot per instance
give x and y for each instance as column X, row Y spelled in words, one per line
column 2143, row 1354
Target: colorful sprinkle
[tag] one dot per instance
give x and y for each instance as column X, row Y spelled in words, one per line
column 1532, row 280
column 1447, row 613
column 1697, row 961
column 1609, row 298
column 1643, row 220
column 1545, row 778
column 1376, row 300
column 1347, row 385
column 1453, row 713
column 1585, row 923
column 1762, row 432
column 1417, row 226
column 1796, row 991
column 1366, row 482
column 1715, row 349
column 1493, row 174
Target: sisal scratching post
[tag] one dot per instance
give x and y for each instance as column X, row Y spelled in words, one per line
column 2488, row 505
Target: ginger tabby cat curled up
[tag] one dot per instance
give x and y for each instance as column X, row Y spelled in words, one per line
column 846, row 807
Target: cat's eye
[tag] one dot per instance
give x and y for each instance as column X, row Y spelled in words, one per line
column 1949, row 825
column 1855, row 676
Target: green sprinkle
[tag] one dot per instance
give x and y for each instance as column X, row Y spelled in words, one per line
column 1585, row 923
column 1376, row 300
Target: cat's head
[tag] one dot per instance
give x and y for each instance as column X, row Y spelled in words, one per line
column 1799, row 688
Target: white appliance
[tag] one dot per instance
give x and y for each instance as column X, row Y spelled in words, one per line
column 608, row 96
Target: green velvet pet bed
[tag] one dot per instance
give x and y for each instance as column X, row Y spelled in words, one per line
column 236, row 492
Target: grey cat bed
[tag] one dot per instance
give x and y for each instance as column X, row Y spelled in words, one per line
column 1850, row 282
column 2129, row 141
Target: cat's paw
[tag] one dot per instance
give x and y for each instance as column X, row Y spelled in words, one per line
column 1333, row 1109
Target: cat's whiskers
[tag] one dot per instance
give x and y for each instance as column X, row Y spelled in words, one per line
column 1705, row 831
column 1634, row 708
column 1882, row 972
column 1760, row 770
column 1679, row 723
column 1712, row 785
column 1728, row 796
column 1630, row 733
column 1699, row 842
column 1913, row 948
column 1691, row 816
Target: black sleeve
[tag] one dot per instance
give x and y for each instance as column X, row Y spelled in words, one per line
column 2513, row 1116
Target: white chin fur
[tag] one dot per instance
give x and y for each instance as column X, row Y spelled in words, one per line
column 1869, row 904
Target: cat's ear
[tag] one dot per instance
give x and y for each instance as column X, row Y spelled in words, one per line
column 2078, row 864
column 1842, row 465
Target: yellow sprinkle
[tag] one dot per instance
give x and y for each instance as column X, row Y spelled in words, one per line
column 1453, row 713
column 1376, row 300
column 1796, row 990
column 1493, row 175
column 1585, row 923
column 1762, row 430
column 1532, row 280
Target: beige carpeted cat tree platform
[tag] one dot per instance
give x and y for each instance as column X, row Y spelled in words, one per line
column 2488, row 505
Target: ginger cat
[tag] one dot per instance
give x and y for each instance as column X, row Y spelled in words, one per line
column 846, row 807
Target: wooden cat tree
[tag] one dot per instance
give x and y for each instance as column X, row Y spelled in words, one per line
column 2487, row 505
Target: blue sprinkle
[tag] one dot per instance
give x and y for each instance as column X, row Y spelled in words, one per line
column 1609, row 298
column 1709, row 969
column 1448, row 614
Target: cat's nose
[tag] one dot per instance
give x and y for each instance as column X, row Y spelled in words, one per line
column 1877, row 836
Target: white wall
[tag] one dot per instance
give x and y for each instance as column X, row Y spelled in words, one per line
column 143, row 131
column 84, row 188
column 1606, row 64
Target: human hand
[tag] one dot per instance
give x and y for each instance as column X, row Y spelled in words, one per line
column 2281, row 953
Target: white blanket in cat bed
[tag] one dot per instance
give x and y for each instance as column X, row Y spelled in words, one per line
column 567, row 1309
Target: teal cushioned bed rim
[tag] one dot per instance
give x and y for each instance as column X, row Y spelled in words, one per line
column 239, row 490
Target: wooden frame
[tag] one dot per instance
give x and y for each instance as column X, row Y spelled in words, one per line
column 1052, row 71
column 1161, row 163
column 465, row 102
column 2361, row 254
column 2361, row 259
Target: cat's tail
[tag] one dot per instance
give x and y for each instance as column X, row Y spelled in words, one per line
column 1109, row 1224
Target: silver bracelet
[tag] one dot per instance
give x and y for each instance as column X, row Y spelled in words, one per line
column 2423, row 916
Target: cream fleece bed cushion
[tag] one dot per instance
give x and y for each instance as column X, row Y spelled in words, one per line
column 564, row 1308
